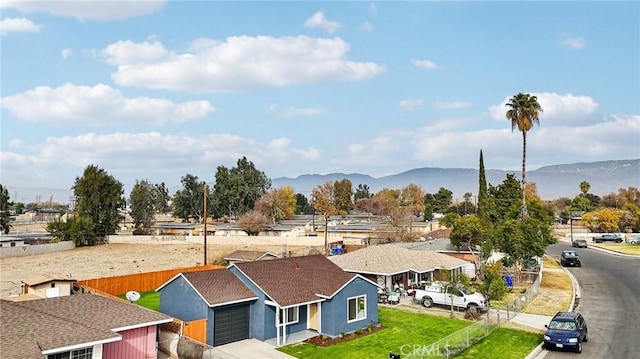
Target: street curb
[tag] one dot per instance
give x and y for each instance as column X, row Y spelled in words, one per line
column 589, row 246
column 535, row 352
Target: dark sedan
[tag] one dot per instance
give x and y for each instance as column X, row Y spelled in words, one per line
column 570, row 258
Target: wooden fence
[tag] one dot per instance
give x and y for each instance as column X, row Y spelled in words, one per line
column 196, row 330
column 140, row 282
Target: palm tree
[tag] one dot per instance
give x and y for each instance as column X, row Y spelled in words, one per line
column 523, row 112
column 584, row 187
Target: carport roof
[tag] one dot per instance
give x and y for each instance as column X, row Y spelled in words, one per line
column 389, row 259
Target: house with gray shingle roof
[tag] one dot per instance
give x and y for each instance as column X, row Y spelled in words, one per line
column 388, row 264
column 242, row 255
column 272, row 299
column 78, row 326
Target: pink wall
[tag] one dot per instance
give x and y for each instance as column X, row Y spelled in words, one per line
column 135, row 344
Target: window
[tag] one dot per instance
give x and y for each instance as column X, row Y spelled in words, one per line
column 356, row 308
column 289, row 315
column 86, row 353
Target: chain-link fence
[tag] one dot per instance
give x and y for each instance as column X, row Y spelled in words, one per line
column 451, row 345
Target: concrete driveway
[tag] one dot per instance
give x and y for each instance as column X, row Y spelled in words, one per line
column 252, row 349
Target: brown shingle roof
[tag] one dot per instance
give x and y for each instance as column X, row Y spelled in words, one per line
column 295, row 280
column 219, row 286
column 246, row 255
column 45, row 324
column 388, row 259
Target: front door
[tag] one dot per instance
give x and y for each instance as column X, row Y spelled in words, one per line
column 314, row 317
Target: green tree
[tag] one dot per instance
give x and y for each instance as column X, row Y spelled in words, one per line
column 5, row 214
column 584, row 187
column 362, row 191
column 188, row 202
column 442, row 200
column 505, row 199
column 522, row 239
column 484, row 201
column 99, row 198
column 324, row 202
column 470, row 232
column 145, row 201
column 238, row 189
column 302, row 204
column 78, row 229
column 523, row 112
column 343, row 192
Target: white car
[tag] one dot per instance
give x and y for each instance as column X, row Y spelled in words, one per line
column 634, row 239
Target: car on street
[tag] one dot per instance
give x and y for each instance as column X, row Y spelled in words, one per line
column 567, row 330
column 579, row 243
column 633, row 239
column 607, row 237
column 570, row 258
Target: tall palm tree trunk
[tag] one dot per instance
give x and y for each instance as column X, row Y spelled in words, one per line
column 524, row 213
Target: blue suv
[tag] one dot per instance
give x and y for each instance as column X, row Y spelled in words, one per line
column 567, row 330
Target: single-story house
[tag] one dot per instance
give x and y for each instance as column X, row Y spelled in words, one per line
column 388, row 264
column 178, row 229
column 10, row 241
column 272, row 299
column 249, row 256
column 82, row 326
column 48, row 286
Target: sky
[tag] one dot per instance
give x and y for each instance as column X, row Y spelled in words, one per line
column 154, row 90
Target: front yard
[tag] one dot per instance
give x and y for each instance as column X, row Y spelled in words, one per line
column 625, row 248
column 404, row 331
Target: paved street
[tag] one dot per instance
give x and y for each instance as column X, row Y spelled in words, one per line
column 610, row 289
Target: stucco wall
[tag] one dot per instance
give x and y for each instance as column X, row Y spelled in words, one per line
column 178, row 299
column 258, row 311
column 36, row 249
column 334, row 311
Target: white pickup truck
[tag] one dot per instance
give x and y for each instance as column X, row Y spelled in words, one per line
column 444, row 293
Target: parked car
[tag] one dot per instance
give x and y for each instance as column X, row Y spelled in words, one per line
column 444, row 293
column 579, row 243
column 607, row 237
column 570, row 258
column 633, row 239
column 567, row 330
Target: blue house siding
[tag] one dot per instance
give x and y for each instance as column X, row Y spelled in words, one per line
column 178, row 299
column 334, row 311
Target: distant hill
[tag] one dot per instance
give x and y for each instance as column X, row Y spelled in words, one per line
column 552, row 181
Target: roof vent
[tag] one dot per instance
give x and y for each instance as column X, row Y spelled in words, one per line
column 296, row 265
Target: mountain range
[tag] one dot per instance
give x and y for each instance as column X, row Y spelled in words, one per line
column 552, row 181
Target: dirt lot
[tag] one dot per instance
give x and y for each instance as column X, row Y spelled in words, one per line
column 125, row 258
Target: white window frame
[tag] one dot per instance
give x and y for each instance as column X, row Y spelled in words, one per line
column 364, row 310
column 284, row 318
column 74, row 354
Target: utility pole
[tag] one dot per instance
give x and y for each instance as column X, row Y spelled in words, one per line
column 205, row 222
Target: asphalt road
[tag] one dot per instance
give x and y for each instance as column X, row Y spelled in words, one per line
column 610, row 288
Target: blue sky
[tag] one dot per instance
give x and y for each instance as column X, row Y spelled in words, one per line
column 159, row 89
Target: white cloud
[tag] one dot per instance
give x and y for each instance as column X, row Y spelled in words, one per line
column 99, row 104
column 451, row 105
column 411, row 104
column 83, row 10
column 238, row 64
column 367, row 27
column 300, row 112
column 131, row 53
column 373, row 9
column 557, row 109
column 573, row 42
column 9, row 25
column 377, row 152
column 65, row 53
column 425, row 64
column 151, row 155
column 318, row 20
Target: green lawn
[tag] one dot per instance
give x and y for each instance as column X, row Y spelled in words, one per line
column 150, row 299
column 503, row 343
column 403, row 330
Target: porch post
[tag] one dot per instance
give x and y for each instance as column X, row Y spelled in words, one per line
column 277, row 326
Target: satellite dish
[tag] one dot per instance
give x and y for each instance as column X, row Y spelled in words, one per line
column 133, row 296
